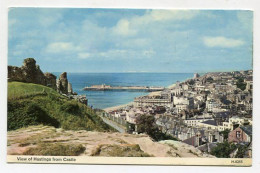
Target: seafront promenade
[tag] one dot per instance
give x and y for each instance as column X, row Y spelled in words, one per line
column 153, row 93
column 104, row 87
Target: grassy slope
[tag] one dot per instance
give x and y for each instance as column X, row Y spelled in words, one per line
column 32, row 104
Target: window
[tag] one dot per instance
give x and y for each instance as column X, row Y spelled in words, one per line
column 238, row 134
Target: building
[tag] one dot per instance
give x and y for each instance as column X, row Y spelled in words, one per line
column 241, row 134
column 196, row 75
column 236, row 121
column 211, row 104
column 183, row 103
column 131, row 118
column 209, row 124
column 193, row 122
column 157, row 100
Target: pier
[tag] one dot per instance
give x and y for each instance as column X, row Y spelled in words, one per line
column 104, row 87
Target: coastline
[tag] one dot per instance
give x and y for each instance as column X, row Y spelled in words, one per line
column 131, row 103
column 118, row 107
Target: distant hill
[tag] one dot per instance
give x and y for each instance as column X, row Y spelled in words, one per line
column 34, row 104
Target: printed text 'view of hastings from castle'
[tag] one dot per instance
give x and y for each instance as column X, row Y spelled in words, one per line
column 130, row 83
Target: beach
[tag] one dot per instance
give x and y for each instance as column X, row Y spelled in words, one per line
column 109, row 109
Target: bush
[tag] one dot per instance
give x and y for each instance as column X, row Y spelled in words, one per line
column 70, row 107
column 223, row 150
column 209, row 79
column 25, row 114
column 225, row 133
column 146, row 124
column 242, row 149
column 56, row 149
column 130, row 150
column 241, row 84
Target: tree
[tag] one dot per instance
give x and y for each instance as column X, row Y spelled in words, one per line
column 130, row 127
column 225, row 133
column 191, row 82
column 241, row 84
column 146, row 124
column 223, row 150
column 210, row 79
column 241, row 152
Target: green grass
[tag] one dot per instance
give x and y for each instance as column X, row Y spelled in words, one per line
column 33, row 104
column 56, row 149
column 130, row 150
column 19, row 90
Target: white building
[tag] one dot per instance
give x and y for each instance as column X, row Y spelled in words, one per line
column 181, row 107
column 196, row 75
column 183, row 103
column 235, row 120
column 210, row 104
column 193, row 122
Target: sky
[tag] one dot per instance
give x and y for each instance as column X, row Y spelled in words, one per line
column 131, row 40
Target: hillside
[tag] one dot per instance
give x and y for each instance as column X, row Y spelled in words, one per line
column 46, row 140
column 34, row 104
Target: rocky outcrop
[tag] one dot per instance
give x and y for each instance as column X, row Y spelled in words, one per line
column 31, row 73
column 50, row 80
column 15, row 74
column 62, row 83
column 70, row 90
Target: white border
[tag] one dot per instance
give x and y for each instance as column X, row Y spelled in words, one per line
column 177, row 4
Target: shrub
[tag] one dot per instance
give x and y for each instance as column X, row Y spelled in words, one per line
column 25, row 114
column 146, row 124
column 223, row 150
column 242, row 149
column 70, row 107
column 241, row 84
column 130, row 150
column 225, row 133
column 56, row 149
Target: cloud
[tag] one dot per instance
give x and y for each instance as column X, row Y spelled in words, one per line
column 161, row 15
column 48, row 20
column 135, row 43
column 146, row 38
column 59, row 47
column 222, row 42
column 83, row 55
column 12, row 22
column 155, row 16
column 130, row 27
column 123, row 28
column 148, row 53
column 119, row 54
column 245, row 18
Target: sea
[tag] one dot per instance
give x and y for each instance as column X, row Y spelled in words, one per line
column 105, row 99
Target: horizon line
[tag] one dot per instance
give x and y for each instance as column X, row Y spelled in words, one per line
column 155, row 72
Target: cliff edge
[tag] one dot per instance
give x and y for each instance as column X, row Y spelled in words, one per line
column 35, row 140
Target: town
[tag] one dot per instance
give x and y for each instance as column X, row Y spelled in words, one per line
column 203, row 111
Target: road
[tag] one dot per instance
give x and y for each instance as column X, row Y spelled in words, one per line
column 113, row 124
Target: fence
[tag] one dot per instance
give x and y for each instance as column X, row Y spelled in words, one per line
column 118, row 120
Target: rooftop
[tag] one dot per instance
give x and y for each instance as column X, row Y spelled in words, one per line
column 210, row 122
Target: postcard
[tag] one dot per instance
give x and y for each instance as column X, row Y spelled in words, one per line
column 130, row 86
